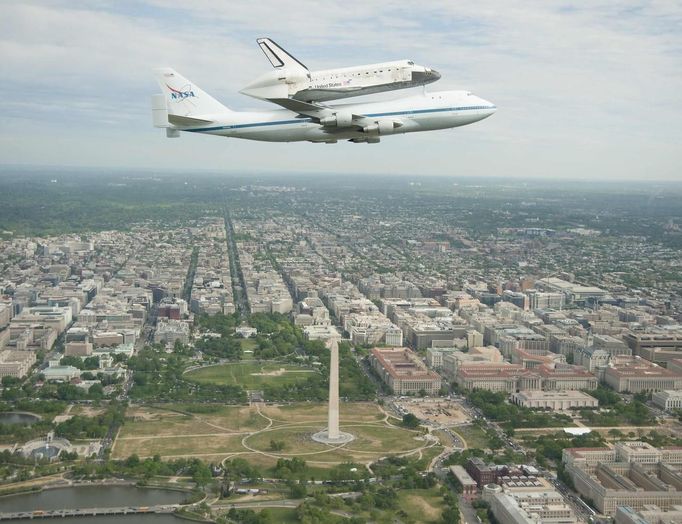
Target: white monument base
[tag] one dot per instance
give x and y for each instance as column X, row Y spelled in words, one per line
column 323, row 438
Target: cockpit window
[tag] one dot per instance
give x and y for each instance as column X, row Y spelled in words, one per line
column 410, row 62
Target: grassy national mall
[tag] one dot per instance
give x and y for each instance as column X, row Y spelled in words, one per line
column 272, row 439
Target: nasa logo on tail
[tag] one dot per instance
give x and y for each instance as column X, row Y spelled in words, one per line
column 181, row 94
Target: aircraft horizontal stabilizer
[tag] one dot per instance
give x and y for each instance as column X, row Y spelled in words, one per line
column 186, row 120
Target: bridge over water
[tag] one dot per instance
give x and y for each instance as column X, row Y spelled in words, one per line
column 88, row 512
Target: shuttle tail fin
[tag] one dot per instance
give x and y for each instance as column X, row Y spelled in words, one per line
column 184, row 101
column 278, row 57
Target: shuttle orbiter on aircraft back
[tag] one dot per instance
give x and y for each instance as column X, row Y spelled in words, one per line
column 292, row 79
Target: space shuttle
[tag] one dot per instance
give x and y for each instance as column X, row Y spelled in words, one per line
column 291, row 79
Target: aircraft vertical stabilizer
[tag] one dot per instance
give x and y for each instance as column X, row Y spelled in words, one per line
column 279, row 58
column 185, row 99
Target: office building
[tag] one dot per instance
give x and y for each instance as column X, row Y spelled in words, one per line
column 636, row 374
column 403, row 372
column 633, row 474
column 469, row 485
column 16, row 363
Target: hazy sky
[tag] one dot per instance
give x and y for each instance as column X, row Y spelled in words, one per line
column 584, row 89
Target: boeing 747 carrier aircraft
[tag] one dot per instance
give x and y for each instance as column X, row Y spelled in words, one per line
column 183, row 106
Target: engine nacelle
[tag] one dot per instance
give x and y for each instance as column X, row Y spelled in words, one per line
column 382, row 127
column 341, row 119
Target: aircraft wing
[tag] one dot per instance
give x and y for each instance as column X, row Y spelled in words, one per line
column 316, row 112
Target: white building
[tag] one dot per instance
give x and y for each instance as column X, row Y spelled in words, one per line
column 554, row 400
column 56, row 373
column 246, row 331
column 170, row 331
column 668, row 399
column 320, row 332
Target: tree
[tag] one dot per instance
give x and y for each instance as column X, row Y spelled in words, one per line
column 277, row 445
column 91, row 363
column 10, row 381
column 132, row 461
column 297, row 490
column 410, row 420
column 450, row 516
column 201, row 474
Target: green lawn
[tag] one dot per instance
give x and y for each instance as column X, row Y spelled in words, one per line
column 474, row 436
column 248, row 344
column 251, row 375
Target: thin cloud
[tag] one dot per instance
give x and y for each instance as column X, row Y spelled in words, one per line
column 593, row 87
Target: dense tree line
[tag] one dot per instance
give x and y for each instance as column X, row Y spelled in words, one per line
column 70, row 392
column 615, row 412
column 495, row 407
column 97, row 426
column 134, row 466
column 159, row 376
column 80, row 363
column 223, row 347
column 219, row 323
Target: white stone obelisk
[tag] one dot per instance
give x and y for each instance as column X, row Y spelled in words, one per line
column 333, row 427
column 333, row 435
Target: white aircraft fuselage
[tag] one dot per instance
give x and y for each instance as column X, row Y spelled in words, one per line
column 334, row 84
column 184, row 106
column 427, row 112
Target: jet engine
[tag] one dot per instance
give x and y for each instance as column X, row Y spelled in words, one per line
column 366, row 140
column 381, row 127
column 340, row 119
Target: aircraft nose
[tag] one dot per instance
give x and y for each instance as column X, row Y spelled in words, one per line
column 426, row 76
column 488, row 107
column 431, row 75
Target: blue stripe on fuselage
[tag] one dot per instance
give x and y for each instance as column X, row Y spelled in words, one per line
column 306, row 120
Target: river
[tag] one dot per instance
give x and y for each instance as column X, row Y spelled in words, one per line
column 109, row 519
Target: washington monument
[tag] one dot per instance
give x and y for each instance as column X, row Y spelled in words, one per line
column 333, row 435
